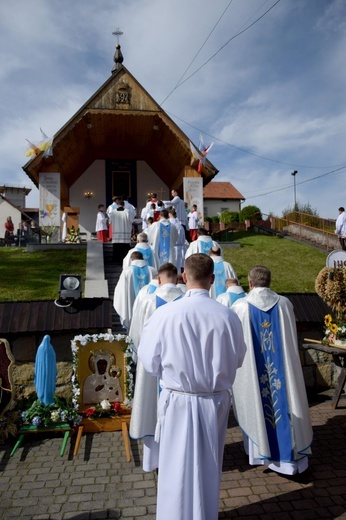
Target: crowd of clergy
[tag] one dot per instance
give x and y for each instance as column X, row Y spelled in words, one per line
column 200, row 345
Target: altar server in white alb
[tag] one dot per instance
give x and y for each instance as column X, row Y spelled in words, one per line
column 130, row 282
column 269, row 393
column 194, row 345
column 144, row 409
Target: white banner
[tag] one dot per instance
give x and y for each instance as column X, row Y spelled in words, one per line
column 193, row 194
column 49, row 199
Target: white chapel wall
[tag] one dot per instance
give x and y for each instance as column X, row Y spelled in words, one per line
column 147, row 182
column 93, row 179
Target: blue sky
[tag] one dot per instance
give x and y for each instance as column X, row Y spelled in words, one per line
column 272, row 99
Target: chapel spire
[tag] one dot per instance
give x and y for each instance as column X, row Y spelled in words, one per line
column 118, row 56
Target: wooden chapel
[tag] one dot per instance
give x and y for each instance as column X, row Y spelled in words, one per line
column 120, row 142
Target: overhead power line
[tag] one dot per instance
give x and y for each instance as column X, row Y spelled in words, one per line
column 224, row 45
column 249, row 152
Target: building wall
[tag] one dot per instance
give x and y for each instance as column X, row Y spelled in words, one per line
column 214, row 206
column 6, row 210
column 94, row 179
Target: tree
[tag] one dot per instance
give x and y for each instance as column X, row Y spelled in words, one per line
column 252, row 212
column 227, row 217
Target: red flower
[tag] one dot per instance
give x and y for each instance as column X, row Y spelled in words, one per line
column 90, row 411
column 117, row 407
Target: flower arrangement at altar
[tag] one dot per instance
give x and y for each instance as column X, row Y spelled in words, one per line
column 330, row 285
column 40, row 415
column 87, row 342
column 73, row 236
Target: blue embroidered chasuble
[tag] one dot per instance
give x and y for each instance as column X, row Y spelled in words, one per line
column 152, row 288
column 205, row 247
column 147, row 255
column 220, row 278
column 164, row 243
column 267, row 344
column 140, row 277
column 233, row 297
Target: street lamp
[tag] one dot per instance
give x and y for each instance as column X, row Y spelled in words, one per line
column 294, row 173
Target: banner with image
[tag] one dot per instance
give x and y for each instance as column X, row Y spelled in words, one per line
column 49, row 189
column 193, row 194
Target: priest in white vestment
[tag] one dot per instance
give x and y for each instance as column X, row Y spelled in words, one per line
column 194, row 345
column 222, row 271
column 269, row 391
column 203, row 244
column 181, row 243
column 233, row 292
column 146, row 250
column 144, row 409
column 162, row 236
column 130, row 282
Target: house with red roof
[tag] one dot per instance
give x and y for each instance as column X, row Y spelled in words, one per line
column 221, row 196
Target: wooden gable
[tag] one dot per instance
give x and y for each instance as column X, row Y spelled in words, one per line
column 120, row 121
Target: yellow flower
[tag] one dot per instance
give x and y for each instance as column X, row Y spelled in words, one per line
column 333, row 328
column 328, row 320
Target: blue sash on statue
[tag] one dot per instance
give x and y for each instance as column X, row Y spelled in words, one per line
column 140, row 277
column 147, row 255
column 164, row 243
column 220, row 278
column 233, row 297
column 205, row 246
column 267, row 344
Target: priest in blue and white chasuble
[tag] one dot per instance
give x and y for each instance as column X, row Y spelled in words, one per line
column 162, row 237
column 269, row 391
column 131, row 280
column 222, row 271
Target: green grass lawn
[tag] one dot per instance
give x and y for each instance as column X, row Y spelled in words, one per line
column 35, row 276
column 294, row 266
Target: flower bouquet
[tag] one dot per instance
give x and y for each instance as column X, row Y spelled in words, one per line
column 335, row 331
column 103, row 409
column 46, row 416
column 73, row 236
column 330, row 285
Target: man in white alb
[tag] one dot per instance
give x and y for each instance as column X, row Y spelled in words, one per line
column 194, row 345
column 144, row 409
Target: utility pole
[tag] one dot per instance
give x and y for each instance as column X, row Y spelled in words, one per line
column 294, row 173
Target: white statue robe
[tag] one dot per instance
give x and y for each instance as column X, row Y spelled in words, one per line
column 121, row 226
column 144, row 408
column 229, row 297
column 229, row 272
column 124, row 293
column 141, row 245
column 246, row 389
column 195, row 346
column 153, row 233
column 203, row 244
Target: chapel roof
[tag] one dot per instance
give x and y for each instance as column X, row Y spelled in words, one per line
column 221, row 190
column 120, row 121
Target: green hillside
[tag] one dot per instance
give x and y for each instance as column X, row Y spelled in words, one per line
column 294, row 266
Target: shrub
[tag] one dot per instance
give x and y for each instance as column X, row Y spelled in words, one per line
column 229, row 216
column 215, row 219
column 252, row 212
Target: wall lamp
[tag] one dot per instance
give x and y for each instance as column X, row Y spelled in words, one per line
column 88, row 194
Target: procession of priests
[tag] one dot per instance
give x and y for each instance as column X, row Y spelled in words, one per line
column 199, row 346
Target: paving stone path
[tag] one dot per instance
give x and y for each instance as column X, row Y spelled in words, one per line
column 37, row 484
